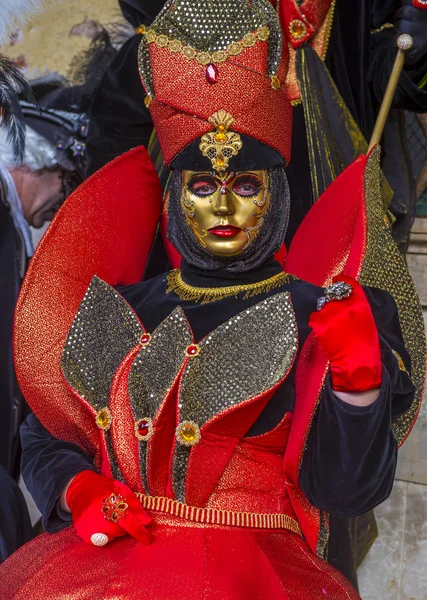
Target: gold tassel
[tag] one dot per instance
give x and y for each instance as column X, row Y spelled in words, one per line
column 204, row 295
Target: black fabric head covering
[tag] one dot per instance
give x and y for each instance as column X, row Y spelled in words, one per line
column 141, row 12
column 253, row 155
column 119, row 119
column 269, row 240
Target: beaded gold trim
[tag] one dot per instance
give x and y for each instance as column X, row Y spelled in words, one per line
column 216, row 516
column 204, row 295
column 383, row 26
column 204, row 58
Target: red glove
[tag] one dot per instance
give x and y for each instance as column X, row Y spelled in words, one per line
column 348, row 336
column 89, row 495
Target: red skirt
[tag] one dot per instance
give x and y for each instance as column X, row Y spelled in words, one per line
column 184, row 562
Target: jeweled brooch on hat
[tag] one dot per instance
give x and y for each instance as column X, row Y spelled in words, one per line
column 220, row 145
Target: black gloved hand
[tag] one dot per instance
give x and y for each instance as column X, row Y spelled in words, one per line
column 412, row 20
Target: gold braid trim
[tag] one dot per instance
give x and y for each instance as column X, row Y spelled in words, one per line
column 204, row 295
column 384, row 26
column 204, row 58
column 216, row 516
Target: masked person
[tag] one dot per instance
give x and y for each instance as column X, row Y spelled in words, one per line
column 195, row 428
column 33, row 186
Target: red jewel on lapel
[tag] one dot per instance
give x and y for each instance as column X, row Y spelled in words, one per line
column 144, row 429
column 212, row 73
column 145, row 339
column 192, row 350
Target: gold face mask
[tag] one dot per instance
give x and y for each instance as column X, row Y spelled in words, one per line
column 225, row 211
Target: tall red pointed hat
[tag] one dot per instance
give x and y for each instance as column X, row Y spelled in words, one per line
column 199, row 58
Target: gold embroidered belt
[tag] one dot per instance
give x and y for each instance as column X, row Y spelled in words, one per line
column 216, row 516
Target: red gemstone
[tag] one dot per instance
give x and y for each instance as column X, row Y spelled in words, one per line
column 145, row 338
column 143, row 428
column 212, row 73
column 192, row 350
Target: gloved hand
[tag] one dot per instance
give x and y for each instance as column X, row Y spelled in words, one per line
column 412, row 20
column 89, row 494
column 348, row 336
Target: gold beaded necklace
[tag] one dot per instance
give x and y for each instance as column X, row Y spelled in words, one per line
column 205, row 294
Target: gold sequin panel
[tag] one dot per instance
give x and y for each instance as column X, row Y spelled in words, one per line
column 384, row 267
column 241, row 359
column 154, row 371
column 104, row 330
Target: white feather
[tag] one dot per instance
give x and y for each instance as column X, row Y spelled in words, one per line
column 15, row 13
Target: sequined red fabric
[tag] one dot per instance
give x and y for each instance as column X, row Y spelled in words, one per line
column 182, row 563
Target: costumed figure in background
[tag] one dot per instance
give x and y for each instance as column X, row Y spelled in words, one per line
column 41, row 162
column 221, row 410
column 35, row 186
column 341, row 57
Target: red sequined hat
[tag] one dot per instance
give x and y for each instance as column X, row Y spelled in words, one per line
column 217, row 66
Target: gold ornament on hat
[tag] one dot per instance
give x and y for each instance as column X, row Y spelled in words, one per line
column 220, row 145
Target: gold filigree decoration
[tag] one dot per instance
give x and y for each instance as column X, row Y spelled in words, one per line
column 400, row 363
column 220, row 145
column 261, row 208
column 188, row 209
column 204, row 295
column 204, row 58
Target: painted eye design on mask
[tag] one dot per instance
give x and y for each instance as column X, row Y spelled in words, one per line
column 247, row 185
column 202, row 185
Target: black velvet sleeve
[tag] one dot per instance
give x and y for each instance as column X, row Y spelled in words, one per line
column 408, row 96
column 350, row 460
column 47, row 466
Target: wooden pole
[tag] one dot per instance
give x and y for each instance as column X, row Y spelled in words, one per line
column 404, row 42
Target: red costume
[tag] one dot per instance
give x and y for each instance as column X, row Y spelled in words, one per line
column 179, row 392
